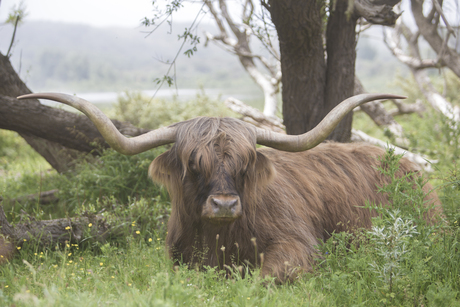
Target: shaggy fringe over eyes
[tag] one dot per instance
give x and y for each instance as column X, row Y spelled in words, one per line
column 203, row 141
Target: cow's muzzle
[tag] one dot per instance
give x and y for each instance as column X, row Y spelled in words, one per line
column 220, row 209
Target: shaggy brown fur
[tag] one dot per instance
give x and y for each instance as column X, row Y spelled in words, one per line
column 289, row 201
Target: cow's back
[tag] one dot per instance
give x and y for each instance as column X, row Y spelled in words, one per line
column 325, row 188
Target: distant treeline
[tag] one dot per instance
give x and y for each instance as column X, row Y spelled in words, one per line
column 59, row 56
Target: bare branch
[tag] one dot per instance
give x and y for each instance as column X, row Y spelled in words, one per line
column 232, row 25
column 391, row 39
column 437, row 101
column 258, row 119
column 220, row 25
column 379, row 115
column 429, row 31
column 417, row 66
column 407, row 108
column 247, row 13
column 254, row 116
column 421, row 161
column 438, row 8
column 13, row 36
column 240, row 47
column 377, row 11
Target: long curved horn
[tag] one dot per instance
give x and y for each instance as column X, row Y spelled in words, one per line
column 318, row 134
column 122, row 144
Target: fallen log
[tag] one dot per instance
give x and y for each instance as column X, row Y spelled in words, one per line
column 60, row 231
column 47, row 233
column 43, row 198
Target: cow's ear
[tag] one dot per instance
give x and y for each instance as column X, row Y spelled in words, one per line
column 265, row 171
column 164, row 168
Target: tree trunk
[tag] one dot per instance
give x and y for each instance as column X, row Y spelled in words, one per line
column 11, row 85
column 312, row 87
column 299, row 25
column 340, row 74
column 56, row 125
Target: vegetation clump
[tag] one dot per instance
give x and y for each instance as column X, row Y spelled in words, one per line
column 143, row 111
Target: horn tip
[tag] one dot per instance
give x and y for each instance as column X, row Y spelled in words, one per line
column 22, row 97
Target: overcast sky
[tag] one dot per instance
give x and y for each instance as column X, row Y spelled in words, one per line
column 99, row 13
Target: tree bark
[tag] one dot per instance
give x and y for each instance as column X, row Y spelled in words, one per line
column 299, row 25
column 379, row 12
column 58, row 231
column 340, row 74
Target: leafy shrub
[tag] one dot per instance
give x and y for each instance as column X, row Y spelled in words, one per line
column 144, row 112
column 112, row 177
column 401, row 261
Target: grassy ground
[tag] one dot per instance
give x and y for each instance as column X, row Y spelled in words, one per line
column 400, row 262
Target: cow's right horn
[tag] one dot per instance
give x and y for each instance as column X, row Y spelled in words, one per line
column 122, row 144
column 318, row 134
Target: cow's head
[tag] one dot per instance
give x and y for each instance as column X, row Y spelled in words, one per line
column 211, row 166
column 214, row 161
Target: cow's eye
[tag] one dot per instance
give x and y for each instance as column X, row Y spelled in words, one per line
column 193, row 167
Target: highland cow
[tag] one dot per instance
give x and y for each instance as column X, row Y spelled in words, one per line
column 234, row 204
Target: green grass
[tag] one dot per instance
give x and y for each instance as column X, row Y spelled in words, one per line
column 400, row 262
column 140, row 274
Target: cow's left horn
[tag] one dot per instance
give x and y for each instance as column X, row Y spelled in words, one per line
column 318, row 134
column 122, row 144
